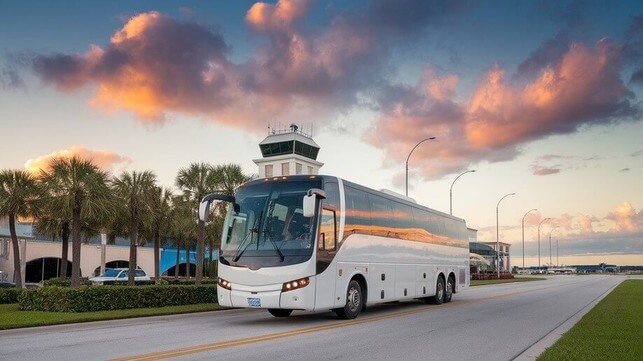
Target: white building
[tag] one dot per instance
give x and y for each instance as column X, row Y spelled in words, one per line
column 288, row 152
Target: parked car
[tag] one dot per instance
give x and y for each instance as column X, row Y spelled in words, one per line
column 120, row 275
column 7, row 284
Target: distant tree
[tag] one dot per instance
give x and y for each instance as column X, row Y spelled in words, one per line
column 19, row 193
column 135, row 190
column 77, row 187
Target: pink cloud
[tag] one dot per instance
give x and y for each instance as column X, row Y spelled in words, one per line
column 582, row 88
column 156, row 66
column 104, row 159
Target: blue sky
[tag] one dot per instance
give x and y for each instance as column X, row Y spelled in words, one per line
column 542, row 98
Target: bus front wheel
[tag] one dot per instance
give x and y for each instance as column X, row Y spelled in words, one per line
column 353, row 304
column 278, row 312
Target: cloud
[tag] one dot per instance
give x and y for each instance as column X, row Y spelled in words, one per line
column 156, row 66
column 637, row 153
column 552, row 164
column 104, row 159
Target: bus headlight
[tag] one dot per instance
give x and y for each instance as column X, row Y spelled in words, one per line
column 223, row 283
column 293, row 285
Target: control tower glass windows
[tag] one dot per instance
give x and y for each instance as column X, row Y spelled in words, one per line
column 289, row 147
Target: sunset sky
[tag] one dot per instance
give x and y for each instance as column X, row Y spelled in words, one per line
column 541, row 98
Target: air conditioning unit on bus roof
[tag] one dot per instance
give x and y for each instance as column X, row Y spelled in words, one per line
column 398, row 195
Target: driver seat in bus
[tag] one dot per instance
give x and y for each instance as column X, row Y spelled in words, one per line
column 296, row 226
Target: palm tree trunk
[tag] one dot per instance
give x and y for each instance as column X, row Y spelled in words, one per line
column 157, row 247
column 133, row 241
column 176, row 266
column 64, row 236
column 187, row 261
column 17, row 272
column 200, row 248
column 75, row 244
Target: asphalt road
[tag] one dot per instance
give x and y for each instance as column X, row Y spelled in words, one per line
column 497, row 322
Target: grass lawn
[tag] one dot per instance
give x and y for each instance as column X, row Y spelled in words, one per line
column 12, row 317
column 510, row 280
column 612, row 330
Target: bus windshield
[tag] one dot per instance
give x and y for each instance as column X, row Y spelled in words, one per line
column 269, row 230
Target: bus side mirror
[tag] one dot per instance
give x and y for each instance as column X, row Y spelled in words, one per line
column 204, row 206
column 204, row 209
column 309, row 201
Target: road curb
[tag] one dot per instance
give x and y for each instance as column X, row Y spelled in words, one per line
column 550, row 339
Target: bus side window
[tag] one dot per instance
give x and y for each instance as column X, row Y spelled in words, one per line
column 327, row 231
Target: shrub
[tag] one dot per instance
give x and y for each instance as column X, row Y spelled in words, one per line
column 188, row 281
column 64, row 282
column 9, row 295
column 84, row 299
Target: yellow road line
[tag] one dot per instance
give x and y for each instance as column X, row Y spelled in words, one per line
column 255, row 339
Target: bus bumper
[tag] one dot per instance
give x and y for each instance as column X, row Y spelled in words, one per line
column 268, row 297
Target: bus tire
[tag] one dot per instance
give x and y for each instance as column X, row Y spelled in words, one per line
column 448, row 291
column 353, row 304
column 438, row 299
column 279, row 312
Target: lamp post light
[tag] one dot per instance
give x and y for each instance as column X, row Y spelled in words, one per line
column 523, row 236
column 550, row 232
column 451, row 190
column 498, row 233
column 407, row 162
column 541, row 222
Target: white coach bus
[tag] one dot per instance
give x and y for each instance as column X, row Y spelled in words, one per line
column 323, row 243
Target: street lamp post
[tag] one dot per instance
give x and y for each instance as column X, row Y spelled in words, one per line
column 451, row 190
column 498, row 233
column 556, row 253
column 407, row 162
column 541, row 222
column 523, row 236
column 550, row 232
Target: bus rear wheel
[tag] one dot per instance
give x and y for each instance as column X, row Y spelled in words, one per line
column 353, row 305
column 439, row 293
column 448, row 292
column 278, row 312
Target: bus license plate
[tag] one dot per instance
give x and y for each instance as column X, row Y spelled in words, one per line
column 254, row 302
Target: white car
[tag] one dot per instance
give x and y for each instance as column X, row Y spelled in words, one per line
column 120, row 275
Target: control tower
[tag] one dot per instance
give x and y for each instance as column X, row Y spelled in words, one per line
column 288, row 152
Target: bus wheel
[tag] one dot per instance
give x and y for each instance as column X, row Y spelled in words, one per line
column 353, row 304
column 439, row 293
column 448, row 294
column 278, row 312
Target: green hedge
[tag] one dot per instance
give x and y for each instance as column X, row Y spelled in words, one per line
column 97, row 298
column 9, row 295
column 66, row 282
column 189, row 281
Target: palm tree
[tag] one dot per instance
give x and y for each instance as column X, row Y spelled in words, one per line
column 136, row 191
column 181, row 230
column 79, row 188
column 157, row 222
column 197, row 181
column 54, row 225
column 228, row 178
column 19, row 192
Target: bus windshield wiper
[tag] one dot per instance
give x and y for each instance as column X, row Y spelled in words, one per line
column 241, row 248
column 274, row 245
